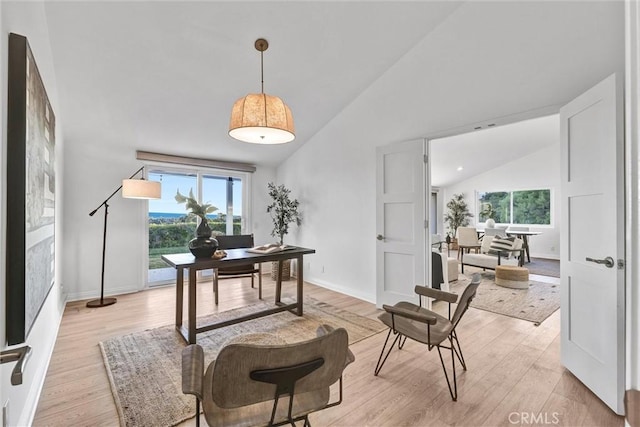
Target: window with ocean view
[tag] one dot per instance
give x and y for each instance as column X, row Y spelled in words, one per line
column 170, row 226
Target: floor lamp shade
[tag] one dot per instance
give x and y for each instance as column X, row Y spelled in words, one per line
column 261, row 119
column 140, row 189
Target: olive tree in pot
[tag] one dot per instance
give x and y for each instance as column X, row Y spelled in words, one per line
column 457, row 216
column 284, row 211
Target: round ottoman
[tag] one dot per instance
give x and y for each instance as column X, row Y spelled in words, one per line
column 512, row 276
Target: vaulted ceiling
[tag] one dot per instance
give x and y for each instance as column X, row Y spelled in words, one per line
column 163, row 75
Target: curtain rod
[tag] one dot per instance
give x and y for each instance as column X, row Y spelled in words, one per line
column 194, row 161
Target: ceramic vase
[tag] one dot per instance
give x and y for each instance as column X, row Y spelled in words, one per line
column 203, row 246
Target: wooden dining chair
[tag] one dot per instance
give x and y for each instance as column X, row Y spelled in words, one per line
column 245, row 270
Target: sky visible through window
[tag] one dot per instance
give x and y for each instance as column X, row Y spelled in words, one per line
column 214, row 192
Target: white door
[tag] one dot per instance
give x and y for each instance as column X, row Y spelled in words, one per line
column 592, row 240
column 401, row 206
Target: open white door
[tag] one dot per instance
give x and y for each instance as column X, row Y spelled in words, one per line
column 401, row 207
column 592, row 240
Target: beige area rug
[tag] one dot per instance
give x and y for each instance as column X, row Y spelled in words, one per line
column 534, row 304
column 144, row 368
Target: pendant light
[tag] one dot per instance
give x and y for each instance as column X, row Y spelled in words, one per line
column 260, row 118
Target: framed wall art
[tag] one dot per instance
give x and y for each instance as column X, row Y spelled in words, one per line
column 30, row 247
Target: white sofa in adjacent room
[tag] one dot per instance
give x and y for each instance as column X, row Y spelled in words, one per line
column 502, row 253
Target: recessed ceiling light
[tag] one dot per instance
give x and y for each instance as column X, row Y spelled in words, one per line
column 460, row 168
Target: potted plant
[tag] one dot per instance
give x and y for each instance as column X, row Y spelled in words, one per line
column 283, row 211
column 457, row 216
column 203, row 246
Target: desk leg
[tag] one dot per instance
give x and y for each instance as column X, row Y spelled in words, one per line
column 300, row 284
column 192, row 306
column 179, row 295
column 215, row 286
column 279, row 282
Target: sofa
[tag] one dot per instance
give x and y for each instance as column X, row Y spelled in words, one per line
column 495, row 251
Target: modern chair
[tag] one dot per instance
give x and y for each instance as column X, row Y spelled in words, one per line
column 246, row 383
column 437, row 270
column 408, row 320
column 436, row 242
column 247, row 270
column 467, row 240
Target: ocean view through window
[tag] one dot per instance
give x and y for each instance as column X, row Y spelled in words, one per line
column 171, row 227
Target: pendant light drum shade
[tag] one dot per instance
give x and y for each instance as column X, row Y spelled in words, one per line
column 261, row 119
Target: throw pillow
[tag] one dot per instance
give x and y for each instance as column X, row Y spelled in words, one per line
column 501, row 244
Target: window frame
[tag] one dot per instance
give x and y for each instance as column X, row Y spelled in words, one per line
column 511, row 214
column 200, row 172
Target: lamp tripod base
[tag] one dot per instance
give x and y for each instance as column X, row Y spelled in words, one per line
column 102, row 302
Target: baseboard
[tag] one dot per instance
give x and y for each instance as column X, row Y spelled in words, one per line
column 34, row 394
column 554, row 257
column 78, row 296
column 343, row 290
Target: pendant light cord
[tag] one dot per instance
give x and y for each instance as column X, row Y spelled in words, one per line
column 261, row 72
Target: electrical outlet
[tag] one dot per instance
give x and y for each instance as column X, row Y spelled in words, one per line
column 5, row 414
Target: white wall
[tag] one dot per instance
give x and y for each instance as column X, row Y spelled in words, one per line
column 334, row 180
column 539, row 170
column 446, row 81
column 93, row 173
column 28, row 20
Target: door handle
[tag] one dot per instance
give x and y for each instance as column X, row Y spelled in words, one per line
column 380, row 237
column 16, row 355
column 608, row 261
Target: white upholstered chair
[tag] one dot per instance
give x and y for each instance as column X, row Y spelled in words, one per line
column 467, row 240
column 495, row 253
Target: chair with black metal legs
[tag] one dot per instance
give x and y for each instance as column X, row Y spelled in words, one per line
column 408, row 320
column 268, row 384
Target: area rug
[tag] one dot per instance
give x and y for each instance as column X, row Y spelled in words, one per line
column 544, row 267
column 534, row 304
column 144, row 368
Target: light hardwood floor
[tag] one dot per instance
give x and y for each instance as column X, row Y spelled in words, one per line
column 514, row 373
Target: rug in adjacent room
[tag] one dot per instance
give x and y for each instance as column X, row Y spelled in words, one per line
column 144, row 368
column 534, row 304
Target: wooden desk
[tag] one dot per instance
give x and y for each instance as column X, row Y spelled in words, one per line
column 234, row 257
column 524, row 235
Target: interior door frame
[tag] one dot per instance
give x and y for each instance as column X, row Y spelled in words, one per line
column 632, row 183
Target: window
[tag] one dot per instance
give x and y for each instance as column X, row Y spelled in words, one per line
column 527, row 207
column 171, row 229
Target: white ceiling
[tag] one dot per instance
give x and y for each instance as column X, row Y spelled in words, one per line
column 162, row 75
column 486, row 149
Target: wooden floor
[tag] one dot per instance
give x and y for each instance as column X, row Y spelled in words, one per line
column 514, row 373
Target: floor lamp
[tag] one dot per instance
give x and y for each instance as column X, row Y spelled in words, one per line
column 131, row 189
